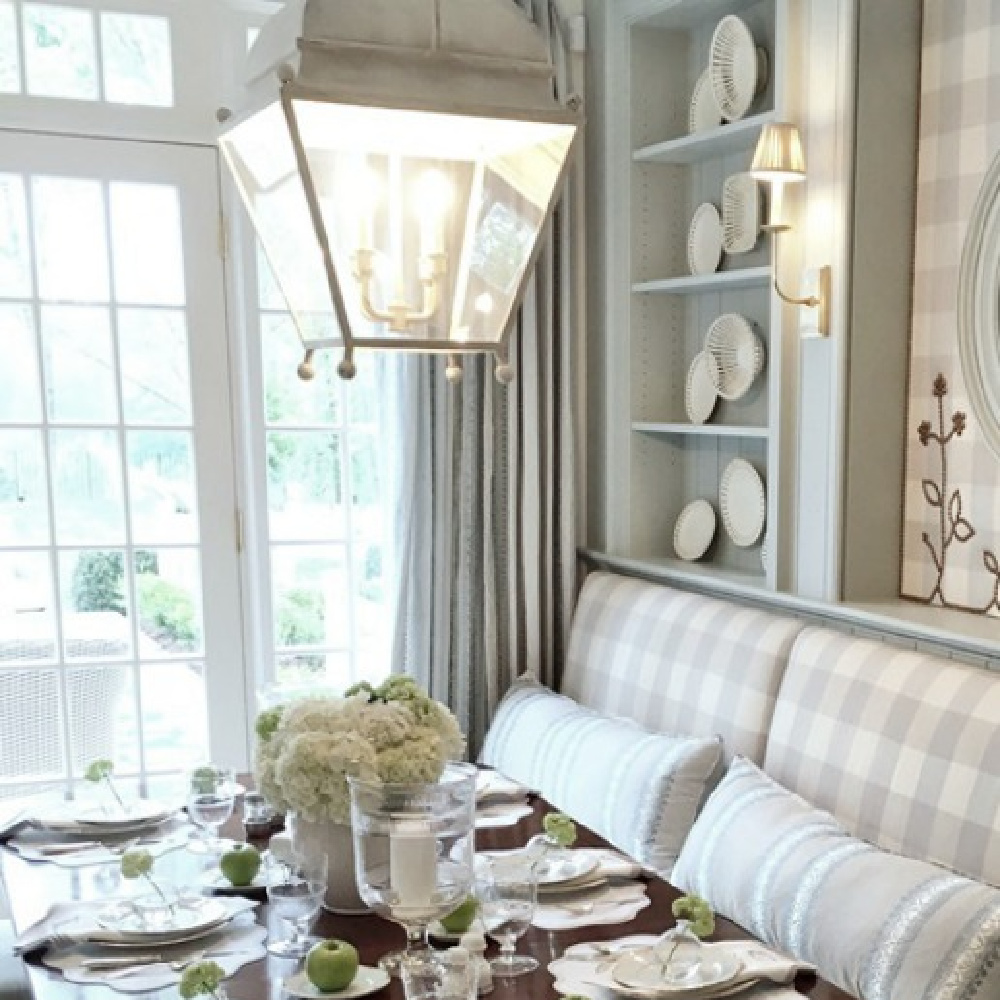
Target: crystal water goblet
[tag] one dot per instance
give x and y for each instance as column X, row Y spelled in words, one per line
column 296, row 884
column 210, row 799
column 507, row 889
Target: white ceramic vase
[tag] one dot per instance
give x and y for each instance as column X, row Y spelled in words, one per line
column 333, row 839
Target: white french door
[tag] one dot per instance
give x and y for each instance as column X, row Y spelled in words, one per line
column 120, row 621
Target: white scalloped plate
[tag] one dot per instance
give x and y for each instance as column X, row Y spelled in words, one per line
column 741, row 215
column 704, row 113
column 737, row 68
column 744, row 502
column 694, row 530
column 705, row 239
column 700, row 394
column 738, row 354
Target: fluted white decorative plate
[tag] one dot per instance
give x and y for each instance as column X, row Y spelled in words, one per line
column 743, row 501
column 738, row 354
column 741, row 215
column 705, row 239
column 700, row 394
column 704, row 112
column 694, row 530
column 737, row 68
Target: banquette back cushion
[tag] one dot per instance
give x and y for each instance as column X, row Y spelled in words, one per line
column 676, row 662
column 903, row 748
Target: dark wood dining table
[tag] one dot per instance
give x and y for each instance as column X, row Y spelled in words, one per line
column 32, row 887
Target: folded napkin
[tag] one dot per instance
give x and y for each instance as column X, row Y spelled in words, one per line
column 611, row 863
column 75, row 923
column 493, row 786
column 232, row 947
column 497, row 814
column 68, row 852
column 609, row 904
column 590, row 964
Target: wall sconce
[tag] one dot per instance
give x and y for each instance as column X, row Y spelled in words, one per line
column 779, row 160
column 400, row 161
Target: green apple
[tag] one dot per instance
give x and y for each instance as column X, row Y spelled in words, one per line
column 241, row 864
column 460, row 919
column 331, row 965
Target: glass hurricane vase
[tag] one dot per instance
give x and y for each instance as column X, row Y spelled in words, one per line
column 414, row 850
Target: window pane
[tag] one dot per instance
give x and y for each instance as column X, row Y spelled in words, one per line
column 15, row 262
column 287, row 398
column 156, row 382
column 95, row 604
column 102, row 717
column 24, row 518
column 70, row 239
column 87, row 487
column 174, row 723
column 310, row 596
column 27, row 622
column 305, row 498
column 20, row 397
column 10, row 66
column 362, row 392
column 146, row 235
column 59, row 52
column 79, row 368
column 162, row 487
column 299, row 674
column 137, row 60
column 168, row 585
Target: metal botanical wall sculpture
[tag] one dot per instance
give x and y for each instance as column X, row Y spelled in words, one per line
column 953, row 525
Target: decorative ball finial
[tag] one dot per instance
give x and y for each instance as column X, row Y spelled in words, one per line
column 223, row 115
column 306, row 370
column 504, row 373
column 453, row 373
column 347, row 369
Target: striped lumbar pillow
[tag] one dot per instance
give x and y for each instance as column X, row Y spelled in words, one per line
column 639, row 790
column 881, row 926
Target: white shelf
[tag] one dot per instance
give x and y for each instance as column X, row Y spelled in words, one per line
column 703, row 430
column 694, row 284
column 725, row 139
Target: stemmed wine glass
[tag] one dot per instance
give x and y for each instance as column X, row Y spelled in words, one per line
column 507, row 889
column 296, row 884
column 211, row 793
column 413, row 850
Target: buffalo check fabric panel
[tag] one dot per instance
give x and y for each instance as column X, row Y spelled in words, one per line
column 677, row 662
column 902, row 747
column 878, row 925
column 639, row 790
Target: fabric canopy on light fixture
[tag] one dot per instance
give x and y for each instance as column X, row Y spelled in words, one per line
column 400, row 160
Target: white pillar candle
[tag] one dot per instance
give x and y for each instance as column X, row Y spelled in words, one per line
column 412, row 863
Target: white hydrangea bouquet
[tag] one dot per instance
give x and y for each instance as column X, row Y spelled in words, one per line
column 307, row 748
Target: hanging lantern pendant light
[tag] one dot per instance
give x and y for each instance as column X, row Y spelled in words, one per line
column 403, row 171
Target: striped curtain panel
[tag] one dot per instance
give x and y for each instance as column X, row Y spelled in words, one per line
column 485, row 487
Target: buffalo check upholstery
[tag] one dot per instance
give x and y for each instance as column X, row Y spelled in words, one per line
column 677, row 662
column 903, row 748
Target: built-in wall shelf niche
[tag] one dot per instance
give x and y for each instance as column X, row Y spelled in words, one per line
column 659, row 171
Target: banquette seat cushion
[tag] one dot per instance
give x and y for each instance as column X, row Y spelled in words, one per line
column 676, row 662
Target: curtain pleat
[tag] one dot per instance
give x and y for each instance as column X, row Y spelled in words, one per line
column 485, row 528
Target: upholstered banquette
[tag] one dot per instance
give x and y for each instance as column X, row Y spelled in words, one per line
column 857, row 823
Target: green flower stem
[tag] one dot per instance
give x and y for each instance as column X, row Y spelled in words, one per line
column 114, row 791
